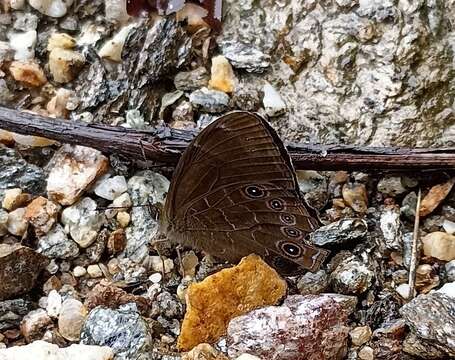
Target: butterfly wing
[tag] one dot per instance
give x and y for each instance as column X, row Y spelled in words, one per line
column 234, row 192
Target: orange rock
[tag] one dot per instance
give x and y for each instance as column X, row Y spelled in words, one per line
column 42, row 214
column 222, row 78
column 434, row 197
column 28, row 73
column 212, row 303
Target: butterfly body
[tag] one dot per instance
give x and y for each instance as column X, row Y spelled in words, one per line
column 234, row 192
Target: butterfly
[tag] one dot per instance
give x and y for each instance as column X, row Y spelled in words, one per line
column 234, row 192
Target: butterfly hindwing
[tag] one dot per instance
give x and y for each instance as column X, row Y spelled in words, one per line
column 234, row 193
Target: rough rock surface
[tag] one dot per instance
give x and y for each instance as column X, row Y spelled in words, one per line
column 212, row 303
column 304, row 328
column 364, row 67
column 431, row 318
column 19, row 269
column 123, row 330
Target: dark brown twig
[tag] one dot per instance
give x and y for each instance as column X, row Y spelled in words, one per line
column 165, row 145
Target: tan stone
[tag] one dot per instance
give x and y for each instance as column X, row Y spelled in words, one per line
column 204, row 352
column 65, row 64
column 222, row 75
column 71, row 319
column 360, row 335
column 56, row 107
column 434, row 197
column 439, row 245
column 123, row 219
column 15, row 198
column 28, row 73
column 355, row 195
column 60, row 40
column 212, row 303
column 42, row 214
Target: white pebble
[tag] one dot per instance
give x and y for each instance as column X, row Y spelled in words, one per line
column 403, row 290
column 273, row 103
column 52, row 8
column 54, row 304
column 449, row 226
column 157, row 264
column 448, row 289
column 112, row 49
column 23, row 44
column 79, row 271
column 155, row 278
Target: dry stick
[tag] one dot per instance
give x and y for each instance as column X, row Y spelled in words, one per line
column 165, row 145
column 415, row 246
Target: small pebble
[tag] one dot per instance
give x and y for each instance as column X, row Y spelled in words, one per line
column 273, row 103
column 71, row 319
column 94, row 271
column 360, row 335
column 155, row 278
column 123, row 219
column 355, row 195
column 403, row 290
column 54, row 304
column 222, row 75
column 79, row 271
column 17, row 223
column 366, row 353
column 157, row 264
column 439, row 245
column 28, row 73
column 15, row 198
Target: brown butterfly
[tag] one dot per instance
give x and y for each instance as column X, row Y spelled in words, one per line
column 234, row 192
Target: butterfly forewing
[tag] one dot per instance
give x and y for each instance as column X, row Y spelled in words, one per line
column 234, row 192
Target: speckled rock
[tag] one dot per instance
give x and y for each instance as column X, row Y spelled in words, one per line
column 83, row 221
column 19, row 269
column 123, row 330
column 17, row 173
column 57, row 245
column 351, row 277
column 390, row 225
column 43, row 350
column 212, row 101
column 342, row 232
column 111, row 187
column 191, row 80
column 391, row 186
column 313, row 283
column 431, row 318
column 212, row 303
column 12, row 312
column 304, row 327
column 72, row 170
column 144, row 188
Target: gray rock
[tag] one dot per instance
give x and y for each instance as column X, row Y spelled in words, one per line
column 304, row 327
column 430, row 317
column 244, row 56
column 26, row 22
column 391, row 185
column 313, row 283
column 191, row 80
column 17, row 173
column 123, row 330
column 212, row 101
column 56, row 244
column 167, row 305
column 351, row 276
column 83, row 221
column 342, row 232
column 144, row 188
column 450, row 271
column 12, row 312
column 408, row 205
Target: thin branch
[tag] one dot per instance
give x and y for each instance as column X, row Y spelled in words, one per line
column 164, row 145
column 414, row 251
